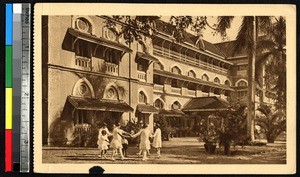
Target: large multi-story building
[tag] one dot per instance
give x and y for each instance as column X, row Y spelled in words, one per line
column 91, row 76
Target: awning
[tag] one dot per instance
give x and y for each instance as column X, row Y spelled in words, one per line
column 171, row 113
column 93, row 104
column 144, row 108
column 146, row 56
column 206, row 104
column 99, row 40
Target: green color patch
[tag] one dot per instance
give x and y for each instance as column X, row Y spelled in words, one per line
column 8, row 66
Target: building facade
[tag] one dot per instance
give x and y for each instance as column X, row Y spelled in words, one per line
column 91, row 75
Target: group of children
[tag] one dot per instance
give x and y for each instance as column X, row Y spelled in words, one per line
column 119, row 142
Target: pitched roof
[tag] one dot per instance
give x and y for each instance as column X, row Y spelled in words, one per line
column 205, row 104
column 227, row 49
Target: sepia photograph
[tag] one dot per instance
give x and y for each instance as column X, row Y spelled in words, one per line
column 114, row 90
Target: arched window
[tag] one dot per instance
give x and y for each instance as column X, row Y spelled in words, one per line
column 158, row 66
column 242, row 84
column 83, row 25
column 205, row 77
column 176, row 105
column 83, row 88
column 191, row 73
column 227, row 83
column 176, row 70
column 111, row 93
column 158, row 104
column 142, row 97
column 217, row 80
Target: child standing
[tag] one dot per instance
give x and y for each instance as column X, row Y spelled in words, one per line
column 103, row 144
column 125, row 146
column 157, row 143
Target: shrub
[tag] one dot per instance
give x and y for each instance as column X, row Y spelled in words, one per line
column 272, row 122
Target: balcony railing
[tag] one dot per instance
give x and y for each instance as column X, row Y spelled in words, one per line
column 141, row 75
column 191, row 93
column 158, row 88
column 83, row 63
column 176, row 90
column 112, row 68
column 186, row 59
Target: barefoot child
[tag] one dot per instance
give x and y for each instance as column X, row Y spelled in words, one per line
column 145, row 142
column 157, row 143
column 103, row 144
column 116, row 143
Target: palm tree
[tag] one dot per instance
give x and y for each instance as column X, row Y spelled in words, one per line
column 247, row 40
column 272, row 122
column 272, row 49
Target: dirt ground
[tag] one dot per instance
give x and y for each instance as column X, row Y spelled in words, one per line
column 175, row 151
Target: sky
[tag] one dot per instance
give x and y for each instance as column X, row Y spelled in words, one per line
column 208, row 33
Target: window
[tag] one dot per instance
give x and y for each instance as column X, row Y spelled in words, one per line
column 142, row 65
column 158, row 66
column 217, row 80
column 227, row 83
column 158, row 104
column 82, row 49
column 205, row 77
column 111, row 57
column 83, row 25
column 111, row 94
column 176, row 70
column 191, row 73
column 175, row 83
column 142, row 97
column 242, row 84
column 242, row 94
column 176, row 105
column 81, row 117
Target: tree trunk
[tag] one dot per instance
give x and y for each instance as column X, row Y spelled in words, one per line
column 251, row 84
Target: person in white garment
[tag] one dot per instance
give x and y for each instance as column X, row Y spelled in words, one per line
column 157, row 142
column 116, row 143
column 104, row 127
column 103, row 144
column 145, row 142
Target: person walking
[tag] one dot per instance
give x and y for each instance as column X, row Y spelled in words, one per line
column 157, row 142
column 103, row 144
column 145, row 142
column 116, row 143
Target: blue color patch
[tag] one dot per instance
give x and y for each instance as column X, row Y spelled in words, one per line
column 9, row 24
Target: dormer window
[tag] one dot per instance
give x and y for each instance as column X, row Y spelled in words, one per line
column 205, row 77
column 191, row 73
column 176, row 70
column 217, row 80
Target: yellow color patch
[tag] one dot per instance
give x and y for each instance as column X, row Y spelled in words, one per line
column 8, row 108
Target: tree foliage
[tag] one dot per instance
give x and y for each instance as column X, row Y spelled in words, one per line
column 272, row 52
column 272, row 122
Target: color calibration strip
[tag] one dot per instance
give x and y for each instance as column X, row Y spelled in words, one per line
column 8, row 87
column 17, row 81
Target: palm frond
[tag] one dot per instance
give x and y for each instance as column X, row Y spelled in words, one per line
column 224, row 22
column 244, row 39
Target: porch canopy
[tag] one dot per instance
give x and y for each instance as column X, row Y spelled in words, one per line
column 145, row 108
column 98, row 40
column 93, row 104
column 146, row 56
column 171, row 113
column 205, row 104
